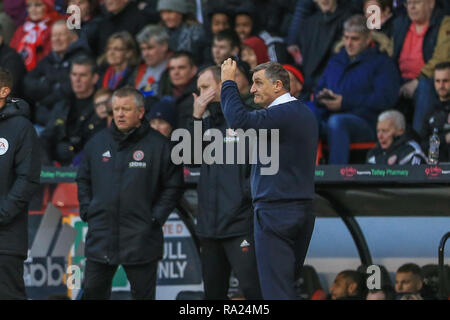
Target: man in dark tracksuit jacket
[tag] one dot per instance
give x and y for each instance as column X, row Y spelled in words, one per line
column 284, row 218
column 19, row 171
column 127, row 187
column 225, row 218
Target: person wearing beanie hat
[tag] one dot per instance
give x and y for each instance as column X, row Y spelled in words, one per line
column 186, row 34
column 180, row 6
column 296, row 79
column 254, row 51
column 163, row 116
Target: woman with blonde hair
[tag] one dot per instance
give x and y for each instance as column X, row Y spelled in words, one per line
column 119, row 60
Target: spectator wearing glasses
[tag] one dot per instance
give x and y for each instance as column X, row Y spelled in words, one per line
column 119, row 61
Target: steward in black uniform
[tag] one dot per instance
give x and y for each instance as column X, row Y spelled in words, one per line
column 19, row 171
column 127, row 187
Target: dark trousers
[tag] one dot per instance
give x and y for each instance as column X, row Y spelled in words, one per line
column 282, row 236
column 12, row 286
column 219, row 257
column 98, row 280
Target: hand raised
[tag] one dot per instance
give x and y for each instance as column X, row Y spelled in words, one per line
column 229, row 70
column 201, row 102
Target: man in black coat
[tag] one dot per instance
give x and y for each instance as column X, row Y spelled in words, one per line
column 127, row 187
column 73, row 120
column 12, row 61
column 182, row 74
column 19, row 171
column 321, row 32
column 439, row 116
column 119, row 15
column 225, row 219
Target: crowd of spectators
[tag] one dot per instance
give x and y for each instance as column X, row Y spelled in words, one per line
column 347, row 73
column 410, row 282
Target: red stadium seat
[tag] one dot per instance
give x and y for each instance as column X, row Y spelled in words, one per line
column 65, row 197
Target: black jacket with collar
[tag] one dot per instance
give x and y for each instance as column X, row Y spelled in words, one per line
column 127, row 187
column 20, row 170
column 224, row 198
column 61, row 145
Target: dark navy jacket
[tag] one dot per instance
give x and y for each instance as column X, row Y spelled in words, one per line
column 224, row 200
column 298, row 136
column 369, row 84
column 20, row 169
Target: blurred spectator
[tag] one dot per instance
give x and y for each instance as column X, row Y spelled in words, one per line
column 154, row 44
column 226, row 43
column 32, row 39
column 254, row 51
column 49, row 82
column 348, row 285
column 8, row 25
column 395, row 146
column 182, row 73
column 421, row 40
column 244, row 83
column 387, row 14
column 186, row 34
column 319, row 35
column 246, row 25
column 88, row 9
column 119, row 61
column 296, row 80
column 358, row 83
column 89, row 16
column 218, row 18
column 12, row 61
column 163, row 116
column 439, row 116
column 16, row 9
column 408, row 280
column 73, row 120
column 385, row 293
column 119, row 16
column 102, row 101
column 304, row 9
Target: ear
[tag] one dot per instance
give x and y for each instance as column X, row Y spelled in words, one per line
column 235, row 51
column 4, row 92
column 194, row 70
column 95, row 78
column 278, row 86
column 351, row 289
column 141, row 112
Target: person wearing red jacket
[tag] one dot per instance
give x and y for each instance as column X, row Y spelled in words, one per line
column 32, row 39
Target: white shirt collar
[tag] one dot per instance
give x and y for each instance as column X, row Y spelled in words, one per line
column 282, row 99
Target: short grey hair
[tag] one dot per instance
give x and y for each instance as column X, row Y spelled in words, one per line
column 215, row 70
column 274, row 71
column 155, row 32
column 357, row 23
column 129, row 91
column 396, row 116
